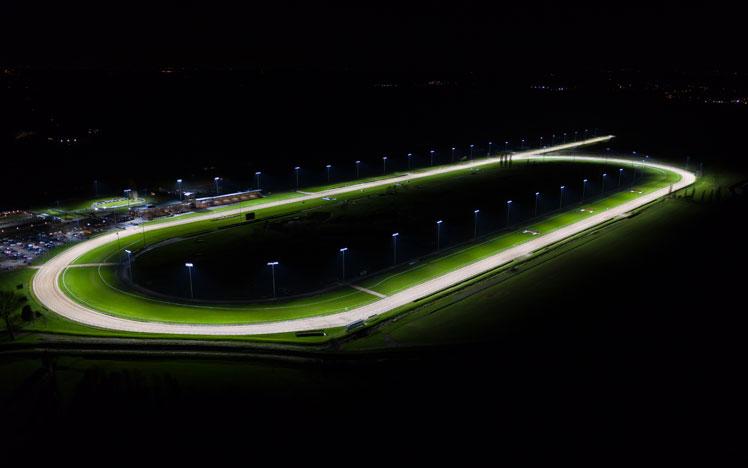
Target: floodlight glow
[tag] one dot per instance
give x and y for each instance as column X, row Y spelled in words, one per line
column 272, row 263
column 188, row 265
column 508, row 202
column 563, row 187
column 216, row 178
column 296, row 168
column 328, row 166
column 585, row 181
column 476, row 211
column 258, row 173
column 344, row 249
column 439, row 222
column 395, row 234
column 537, row 193
column 384, row 157
column 179, row 181
column 128, row 251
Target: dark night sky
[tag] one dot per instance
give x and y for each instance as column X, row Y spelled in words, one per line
column 383, row 35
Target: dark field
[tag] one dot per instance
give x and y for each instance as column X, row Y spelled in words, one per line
column 230, row 264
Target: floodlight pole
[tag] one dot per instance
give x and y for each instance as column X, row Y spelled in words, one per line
column 431, row 154
column 584, row 188
column 508, row 208
column 394, row 247
column 272, row 272
column 453, row 154
column 561, row 198
column 343, row 251
column 189, row 275
column 357, row 168
column 537, row 196
column 475, row 223
column 328, row 167
column 296, row 170
column 384, row 165
column 620, row 174
column 129, row 262
column 438, row 234
column 410, row 156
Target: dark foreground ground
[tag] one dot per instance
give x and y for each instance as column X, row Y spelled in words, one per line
column 552, row 361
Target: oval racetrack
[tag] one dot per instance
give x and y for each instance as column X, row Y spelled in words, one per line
column 46, row 284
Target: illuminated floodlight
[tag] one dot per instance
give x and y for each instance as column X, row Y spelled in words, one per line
column 272, row 263
column 189, row 265
column 344, row 249
column 439, row 222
